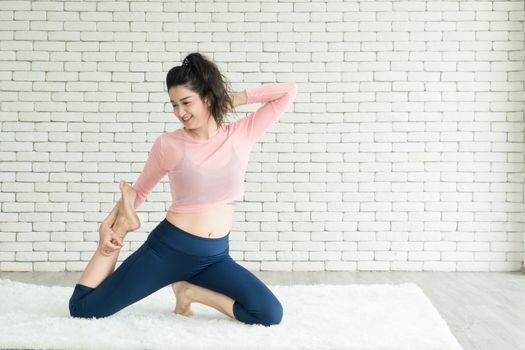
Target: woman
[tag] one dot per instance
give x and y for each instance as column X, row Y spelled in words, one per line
column 206, row 163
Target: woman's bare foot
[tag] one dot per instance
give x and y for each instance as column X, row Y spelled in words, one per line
column 127, row 216
column 183, row 306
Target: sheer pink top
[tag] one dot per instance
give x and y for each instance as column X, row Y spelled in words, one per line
column 206, row 173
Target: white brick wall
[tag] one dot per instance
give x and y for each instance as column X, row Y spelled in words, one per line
column 403, row 150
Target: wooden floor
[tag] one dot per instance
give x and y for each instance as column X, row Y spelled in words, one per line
column 484, row 310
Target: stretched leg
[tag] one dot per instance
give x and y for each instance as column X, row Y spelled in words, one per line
column 101, row 266
column 238, row 291
column 98, row 283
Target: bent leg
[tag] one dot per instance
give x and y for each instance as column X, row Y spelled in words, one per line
column 254, row 301
column 141, row 274
column 101, row 266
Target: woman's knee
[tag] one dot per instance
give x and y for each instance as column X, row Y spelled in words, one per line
column 79, row 293
column 272, row 314
column 77, row 304
column 75, row 310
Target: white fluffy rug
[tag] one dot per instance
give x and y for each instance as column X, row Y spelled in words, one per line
column 377, row 316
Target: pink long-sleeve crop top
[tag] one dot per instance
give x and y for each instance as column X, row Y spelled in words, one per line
column 205, row 173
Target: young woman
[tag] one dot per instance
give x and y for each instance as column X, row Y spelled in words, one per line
column 206, row 162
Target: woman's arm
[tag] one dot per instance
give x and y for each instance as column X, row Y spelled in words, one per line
column 152, row 173
column 154, row 170
column 238, row 98
column 277, row 97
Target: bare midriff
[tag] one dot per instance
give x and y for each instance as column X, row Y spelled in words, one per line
column 215, row 222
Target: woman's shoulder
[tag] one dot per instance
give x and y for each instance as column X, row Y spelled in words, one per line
column 173, row 135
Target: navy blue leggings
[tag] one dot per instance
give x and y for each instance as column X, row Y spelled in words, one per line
column 171, row 254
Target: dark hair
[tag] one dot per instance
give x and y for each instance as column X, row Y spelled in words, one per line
column 202, row 76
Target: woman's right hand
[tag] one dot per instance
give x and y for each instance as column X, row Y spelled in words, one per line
column 109, row 240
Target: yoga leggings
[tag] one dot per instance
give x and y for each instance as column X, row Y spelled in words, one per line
column 171, row 254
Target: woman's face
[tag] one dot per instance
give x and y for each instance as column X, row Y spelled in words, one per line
column 188, row 104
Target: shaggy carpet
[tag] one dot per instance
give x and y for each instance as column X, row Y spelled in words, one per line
column 375, row 316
